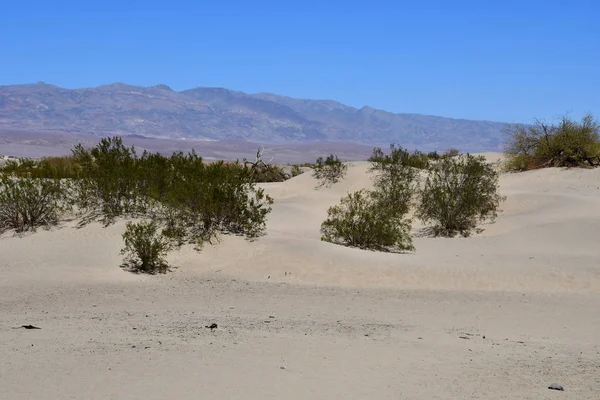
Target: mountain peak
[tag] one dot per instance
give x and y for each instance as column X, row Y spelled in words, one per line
column 161, row 86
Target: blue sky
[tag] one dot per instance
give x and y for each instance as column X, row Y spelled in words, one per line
column 499, row 60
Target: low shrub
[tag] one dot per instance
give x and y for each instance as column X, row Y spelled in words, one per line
column 458, row 193
column 451, row 153
column 329, row 170
column 202, row 200
column 267, row 173
column 395, row 178
column 434, row 155
column 46, row 168
column 565, row 144
column 109, row 183
column 296, row 170
column 146, row 247
column 360, row 220
column 263, row 172
column 399, row 156
column 27, row 203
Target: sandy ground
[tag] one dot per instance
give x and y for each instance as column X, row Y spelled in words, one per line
column 500, row 315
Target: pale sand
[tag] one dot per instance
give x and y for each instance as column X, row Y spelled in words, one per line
column 348, row 324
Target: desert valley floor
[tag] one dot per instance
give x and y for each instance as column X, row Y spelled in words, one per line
column 500, row 315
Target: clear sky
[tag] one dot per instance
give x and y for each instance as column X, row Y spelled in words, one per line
column 499, row 60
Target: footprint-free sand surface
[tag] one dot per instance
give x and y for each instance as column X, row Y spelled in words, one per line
column 500, row 315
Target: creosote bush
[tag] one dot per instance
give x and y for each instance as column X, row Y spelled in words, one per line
column 108, row 186
column 361, row 221
column 377, row 219
column 263, row 172
column 27, row 204
column 146, row 247
column 458, row 193
column 47, row 168
column 329, row 170
column 396, row 176
column 565, row 144
column 296, row 170
column 191, row 201
column 205, row 199
column 452, row 152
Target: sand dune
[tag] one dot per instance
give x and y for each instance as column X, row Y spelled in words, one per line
column 347, row 323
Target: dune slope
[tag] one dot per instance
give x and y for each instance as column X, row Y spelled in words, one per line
column 502, row 314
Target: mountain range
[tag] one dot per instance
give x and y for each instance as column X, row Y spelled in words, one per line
column 222, row 114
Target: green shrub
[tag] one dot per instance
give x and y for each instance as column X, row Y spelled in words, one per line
column 458, row 193
column 362, row 221
column 205, row 199
column 395, row 178
column 194, row 200
column 434, row 155
column 451, row 153
column 27, row 203
column 146, row 248
column 46, row 168
column 261, row 171
column 267, row 173
column 296, row 170
column 329, row 170
column 399, row 156
column 109, row 184
column 566, row 144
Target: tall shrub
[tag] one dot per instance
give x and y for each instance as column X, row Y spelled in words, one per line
column 459, row 193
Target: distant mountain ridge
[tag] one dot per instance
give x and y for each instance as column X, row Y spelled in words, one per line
column 223, row 114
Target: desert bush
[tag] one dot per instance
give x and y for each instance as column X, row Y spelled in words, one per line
column 268, row 173
column 360, row 220
column 566, row 144
column 434, row 155
column 192, row 199
column 146, row 247
column 395, row 178
column 296, row 170
column 27, row 203
column 418, row 160
column 109, row 183
column 329, row 170
column 45, row 168
column 205, row 199
column 458, row 193
column 261, row 171
column 19, row 167
column 451, row 153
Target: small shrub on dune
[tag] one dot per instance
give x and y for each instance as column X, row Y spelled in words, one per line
column 395, row 178
column 268, row 173
column 377, row 219
column 459, row 193
column 146, row 247
column 261, row 171
column 110, row 174
column 360, row 220
column 27, row 204
column 329, row 170
column 452, row 152
column 566, row 144
column 46, row 168
column 296, row 170
column 205, row 199
column 434, row 155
